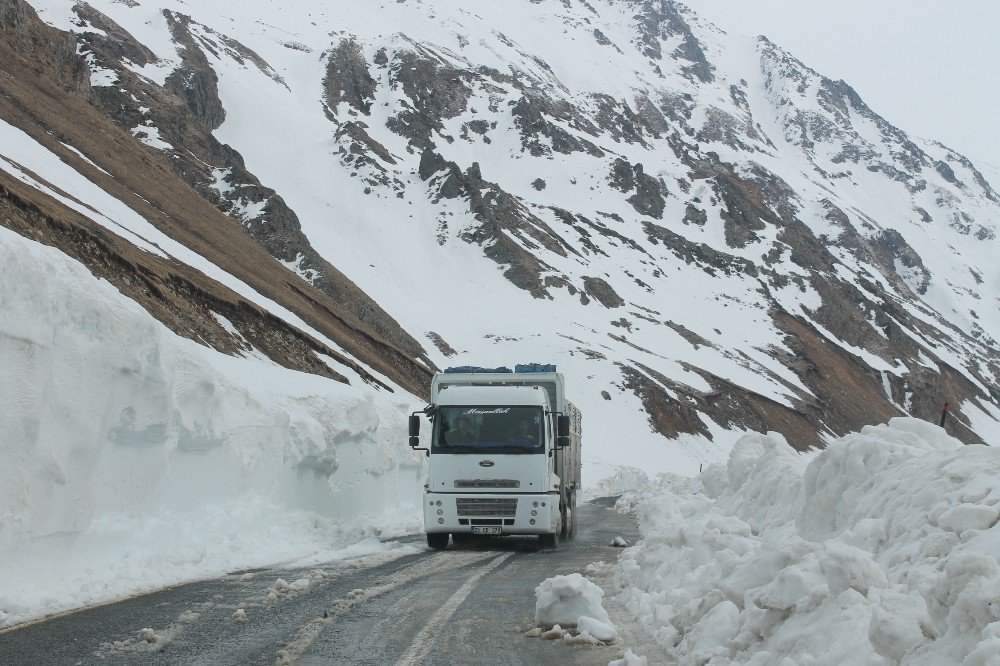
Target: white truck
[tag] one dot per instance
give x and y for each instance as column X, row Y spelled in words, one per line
column 504, row 455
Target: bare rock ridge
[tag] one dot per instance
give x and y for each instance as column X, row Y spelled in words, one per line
column 42, row 102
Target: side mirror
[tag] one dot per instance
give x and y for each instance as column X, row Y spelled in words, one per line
column 563, row 426
column 562, row 431
column 414, row 431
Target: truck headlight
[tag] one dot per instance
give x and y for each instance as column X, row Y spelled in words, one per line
column 440, row 521
column 439, row 502
column 533, row 513
column 534, row 504
column 531, row 522
column 440, row 512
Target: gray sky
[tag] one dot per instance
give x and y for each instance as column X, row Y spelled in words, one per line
column 930, row 67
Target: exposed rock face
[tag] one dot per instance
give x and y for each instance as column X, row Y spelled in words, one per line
column 500, row 218
column 649, row 192
column 540, row 119
column 894, row 248
column 44, row 104
column 658, row 20
column 435, row 90
column 185, row 111
column 602, row 292
column 42, row 48
column 194, row 81
column 347, row 78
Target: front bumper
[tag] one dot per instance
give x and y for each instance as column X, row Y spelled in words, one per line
column 460, row 512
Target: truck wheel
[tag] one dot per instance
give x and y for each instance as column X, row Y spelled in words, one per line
column 437, row 540
column 548, row 541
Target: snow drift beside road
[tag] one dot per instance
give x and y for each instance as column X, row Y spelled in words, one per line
column 880, row 549
column 132, row 458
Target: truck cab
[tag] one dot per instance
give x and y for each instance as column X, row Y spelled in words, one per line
column 501, row 456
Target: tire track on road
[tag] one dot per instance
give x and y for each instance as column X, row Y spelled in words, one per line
column 434, row 564
column 425, row 639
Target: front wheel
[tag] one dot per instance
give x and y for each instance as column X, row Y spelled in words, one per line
column 437, row 540
column 549, row 541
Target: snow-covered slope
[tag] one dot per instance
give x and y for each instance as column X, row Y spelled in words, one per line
column 882, row 549
column 706, row 234
column 133, row 458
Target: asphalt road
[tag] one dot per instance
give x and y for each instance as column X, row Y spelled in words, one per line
column 469, row 604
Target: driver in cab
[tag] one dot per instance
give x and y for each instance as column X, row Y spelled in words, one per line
column 523, row 434
column 462, row 434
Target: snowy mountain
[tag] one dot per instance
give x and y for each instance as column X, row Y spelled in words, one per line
column 705, row 234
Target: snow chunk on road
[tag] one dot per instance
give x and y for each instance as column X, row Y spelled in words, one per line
column 630, row 659
column 299, row 584
column 564, row 599
column 602, row 631
column 883, row 548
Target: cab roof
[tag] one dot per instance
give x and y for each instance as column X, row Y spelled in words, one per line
column 509, row 396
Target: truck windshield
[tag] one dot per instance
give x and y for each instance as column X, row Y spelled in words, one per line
column 494, row 429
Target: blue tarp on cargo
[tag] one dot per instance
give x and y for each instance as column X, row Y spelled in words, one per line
column 535, row 367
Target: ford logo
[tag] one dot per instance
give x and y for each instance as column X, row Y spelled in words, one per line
column 486, row 463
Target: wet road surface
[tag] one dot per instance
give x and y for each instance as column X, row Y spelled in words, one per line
column 467, row 605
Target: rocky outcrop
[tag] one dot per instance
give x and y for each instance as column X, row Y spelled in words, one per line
column 500, row 217
column 658, row 20
column 890, row 247
column 649, row 193
column 599, row 289
column 436, row 92
column 535, row 115
column 347, row 78
column 194, row 81
column 45, row 50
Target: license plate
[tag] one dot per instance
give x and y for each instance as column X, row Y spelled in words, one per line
column 486, row 530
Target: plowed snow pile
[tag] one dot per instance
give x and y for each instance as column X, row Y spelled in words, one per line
column 131, row 458
column 879, row 550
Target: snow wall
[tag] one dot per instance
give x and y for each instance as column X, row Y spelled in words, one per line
column 131, row 458
column 881, row 549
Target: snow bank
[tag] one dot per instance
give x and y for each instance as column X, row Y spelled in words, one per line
column 133, row 459
column 881, row 549
column 566, row 600
column 624, row 479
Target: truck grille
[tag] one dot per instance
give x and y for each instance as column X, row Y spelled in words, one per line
column 487, row 483
column 498, row 507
